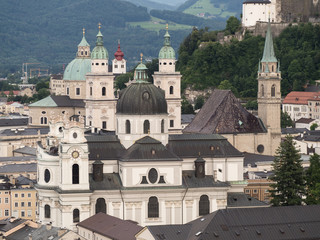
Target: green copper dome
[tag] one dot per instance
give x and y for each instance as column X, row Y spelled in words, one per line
column 167, row 52
column 77, row 69
column 99, row 51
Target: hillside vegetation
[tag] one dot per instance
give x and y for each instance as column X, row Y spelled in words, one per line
column 205, row 63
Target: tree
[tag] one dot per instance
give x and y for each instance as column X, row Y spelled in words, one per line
column 288, row 188
column 286, row 121
column 199, row 102
column 313, row 126
column 122, row 79
column 313, row 181
column 42, row 93
column 233, row 24
column 186, row 107
column 226, row 85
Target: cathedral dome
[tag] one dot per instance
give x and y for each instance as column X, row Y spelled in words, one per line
column 142, row 99
column 77, row 69
column 167, row 52
column 99, row 51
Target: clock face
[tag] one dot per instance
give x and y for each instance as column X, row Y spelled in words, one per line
column 75, row 154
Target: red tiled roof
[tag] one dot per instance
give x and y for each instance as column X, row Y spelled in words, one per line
column 14, row 92
column 300, row 97
column 112, row 227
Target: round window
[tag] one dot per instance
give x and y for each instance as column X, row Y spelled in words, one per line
column 46, row 175
column 145, row 95
column 153, row 175
column 75, row 135
column 60, row 129
column 260, row 148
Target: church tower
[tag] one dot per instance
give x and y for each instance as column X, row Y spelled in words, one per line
column 170, row 81
column 269, row 93
column 100, row 100
column 119, row 64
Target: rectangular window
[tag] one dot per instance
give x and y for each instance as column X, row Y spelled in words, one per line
column 22, row 204
column 29, row 213
column 6, row 200
column 16, row 195
column 29, row 204
column 171, row 123
column 255, row 191
column 22, row 194
column 67, row 91
column 247, row 191
column 29, row 194
column 115, row 66
column 122, row 66
column 16, row 204
column 6, row 192
column 6, row 212
column 104, row 125
column 77, row 91
column 22, row 214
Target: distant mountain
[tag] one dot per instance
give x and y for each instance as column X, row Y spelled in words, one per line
column 48, row 32
column 153, row 4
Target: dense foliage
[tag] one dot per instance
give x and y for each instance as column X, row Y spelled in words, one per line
column 286, row 121
column 288, row 188
column 313, row 180
column 205, row 63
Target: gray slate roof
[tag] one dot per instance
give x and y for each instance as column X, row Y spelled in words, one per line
column 208, row 145
column 7, row 224
column 17, row 168
column 189, row 180
column 294, row 130
column 26, row 150
column 251, row 158
column 13, row 122
column 289, row 222
column 36, row 233
column 242, row 200
column 16, row 159
column 223, row 113
column 187, row 118
column 148, row 149
column 111, row 181
column 25, row 132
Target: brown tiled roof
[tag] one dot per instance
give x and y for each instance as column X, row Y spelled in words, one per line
column 305, row 120
column 300, row 98
column 111, row 227
column 223, row 114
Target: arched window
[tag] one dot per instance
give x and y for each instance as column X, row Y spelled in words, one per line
column 204, row 205
column 262, row 90
column 103, row 91
column 101, row 205
column 90, row 91
column 128, row 127
column 162, row 126
column 43, row 120
column 46, row 175
column 75, row 174
column 272, row 68
column 47, row 211
column 153, row 207
column 171, row 89
column 146, row 127
column 76, row 215
column 273, row 91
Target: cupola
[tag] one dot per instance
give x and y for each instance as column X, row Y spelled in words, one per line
column 167, row 56
column 99, row 55
column 83, row 47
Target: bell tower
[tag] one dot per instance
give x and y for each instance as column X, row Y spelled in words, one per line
column 170, row 81
column 100, row 99
column 269, row 93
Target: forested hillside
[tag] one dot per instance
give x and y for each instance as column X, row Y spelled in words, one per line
column 205, row 63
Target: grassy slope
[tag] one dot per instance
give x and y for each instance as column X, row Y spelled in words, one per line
column 157, row 24
column 205, row 6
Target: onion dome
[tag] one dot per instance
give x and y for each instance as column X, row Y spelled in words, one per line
column 167, row 52
column 141, row 97
column 99, row 51
column 81, row 65
column 119, row 54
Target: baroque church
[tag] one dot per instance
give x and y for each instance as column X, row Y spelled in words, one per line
column 143, row 169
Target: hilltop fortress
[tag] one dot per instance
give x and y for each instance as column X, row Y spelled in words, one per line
column 279, row 11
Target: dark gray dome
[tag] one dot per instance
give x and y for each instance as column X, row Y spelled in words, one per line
column 142, row 99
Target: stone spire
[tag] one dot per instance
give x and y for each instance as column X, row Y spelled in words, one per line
column 268, row 52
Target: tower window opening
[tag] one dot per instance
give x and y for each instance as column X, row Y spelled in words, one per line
column 102, row 64
column 262, row 90
column 128, row 127
column 104, row 124
column 86, row 52
column 162, row 126
column 47, row 211
column 170, row 63
column 164, row 63
column 171, row 89
column 97, row 63
column 103, row 91
column 90, row 91
column 146, row 127
column 115, row 66
column 273, row 91
column 76, row 215
column 77, row 91
column 75, row 174
column 101, row 205
column 81, row 52
column 272, row 68
column 171, row 123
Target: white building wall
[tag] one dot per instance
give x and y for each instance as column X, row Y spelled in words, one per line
column 119, row 67
column 297, row 111
column 253, row 12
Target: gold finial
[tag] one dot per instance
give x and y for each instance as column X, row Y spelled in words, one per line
column 83, row 31
column 119, row 41
column 167, row 26
column 141, row 55
column 99, row 26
